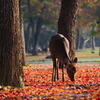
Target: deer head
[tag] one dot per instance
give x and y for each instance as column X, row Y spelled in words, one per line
column 71, row 69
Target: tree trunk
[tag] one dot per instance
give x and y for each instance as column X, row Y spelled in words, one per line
column 35, row 32
column 66, row 23
column 23, row 41
column 38, row 29
column 78, row 39
column 93, row 42
column 27, row 31
column 31, row 22
column 81, row 42
column 33, row 39
column 11, row 70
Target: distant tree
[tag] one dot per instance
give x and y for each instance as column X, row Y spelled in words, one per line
column 66, row 22
column 11, row 70
column 23, row 41
column 38, row 13
column 88, row 14
column 78, row 38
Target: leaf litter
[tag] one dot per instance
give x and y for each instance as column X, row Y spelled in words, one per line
column 38, row 85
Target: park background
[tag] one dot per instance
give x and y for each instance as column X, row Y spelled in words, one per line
column 40, row 27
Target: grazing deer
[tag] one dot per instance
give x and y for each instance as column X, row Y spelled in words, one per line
column 59, row 49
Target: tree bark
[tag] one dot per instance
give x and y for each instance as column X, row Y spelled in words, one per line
column 11, row 70
column 66, row 23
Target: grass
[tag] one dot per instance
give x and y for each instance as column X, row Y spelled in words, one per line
column 84, row 56
column 87, row 53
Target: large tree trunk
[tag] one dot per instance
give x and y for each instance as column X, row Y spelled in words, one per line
column 11, row 70
column 66, row 23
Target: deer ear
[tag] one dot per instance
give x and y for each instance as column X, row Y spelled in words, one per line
column 75, row 60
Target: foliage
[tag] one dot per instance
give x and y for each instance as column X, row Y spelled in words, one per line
column 94, row 28
column 48, row 12
column 51, row 10
column 87, row 15
column 38, row 85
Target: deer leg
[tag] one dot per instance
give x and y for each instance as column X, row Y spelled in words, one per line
column 57, row 69
column 54, row 71
column 53, row 74
column 63, row 72
column 57, row 73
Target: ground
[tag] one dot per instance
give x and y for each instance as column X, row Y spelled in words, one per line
column 84, row 56
column 38, row 81
column 38, row 85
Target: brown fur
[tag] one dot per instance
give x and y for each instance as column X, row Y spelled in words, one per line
column 59, row 49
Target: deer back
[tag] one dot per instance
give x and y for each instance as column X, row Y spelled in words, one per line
column 59, row 47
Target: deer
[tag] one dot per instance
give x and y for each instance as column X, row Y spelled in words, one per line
column 59, row 49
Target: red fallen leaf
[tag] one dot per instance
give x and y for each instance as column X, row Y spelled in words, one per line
column 39, row 85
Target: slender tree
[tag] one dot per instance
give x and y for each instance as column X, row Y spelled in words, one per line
column 78, row 36
column 40, row 14
column 35, row 25
column 23, row 41
column 11, row 71
column 66, row 22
